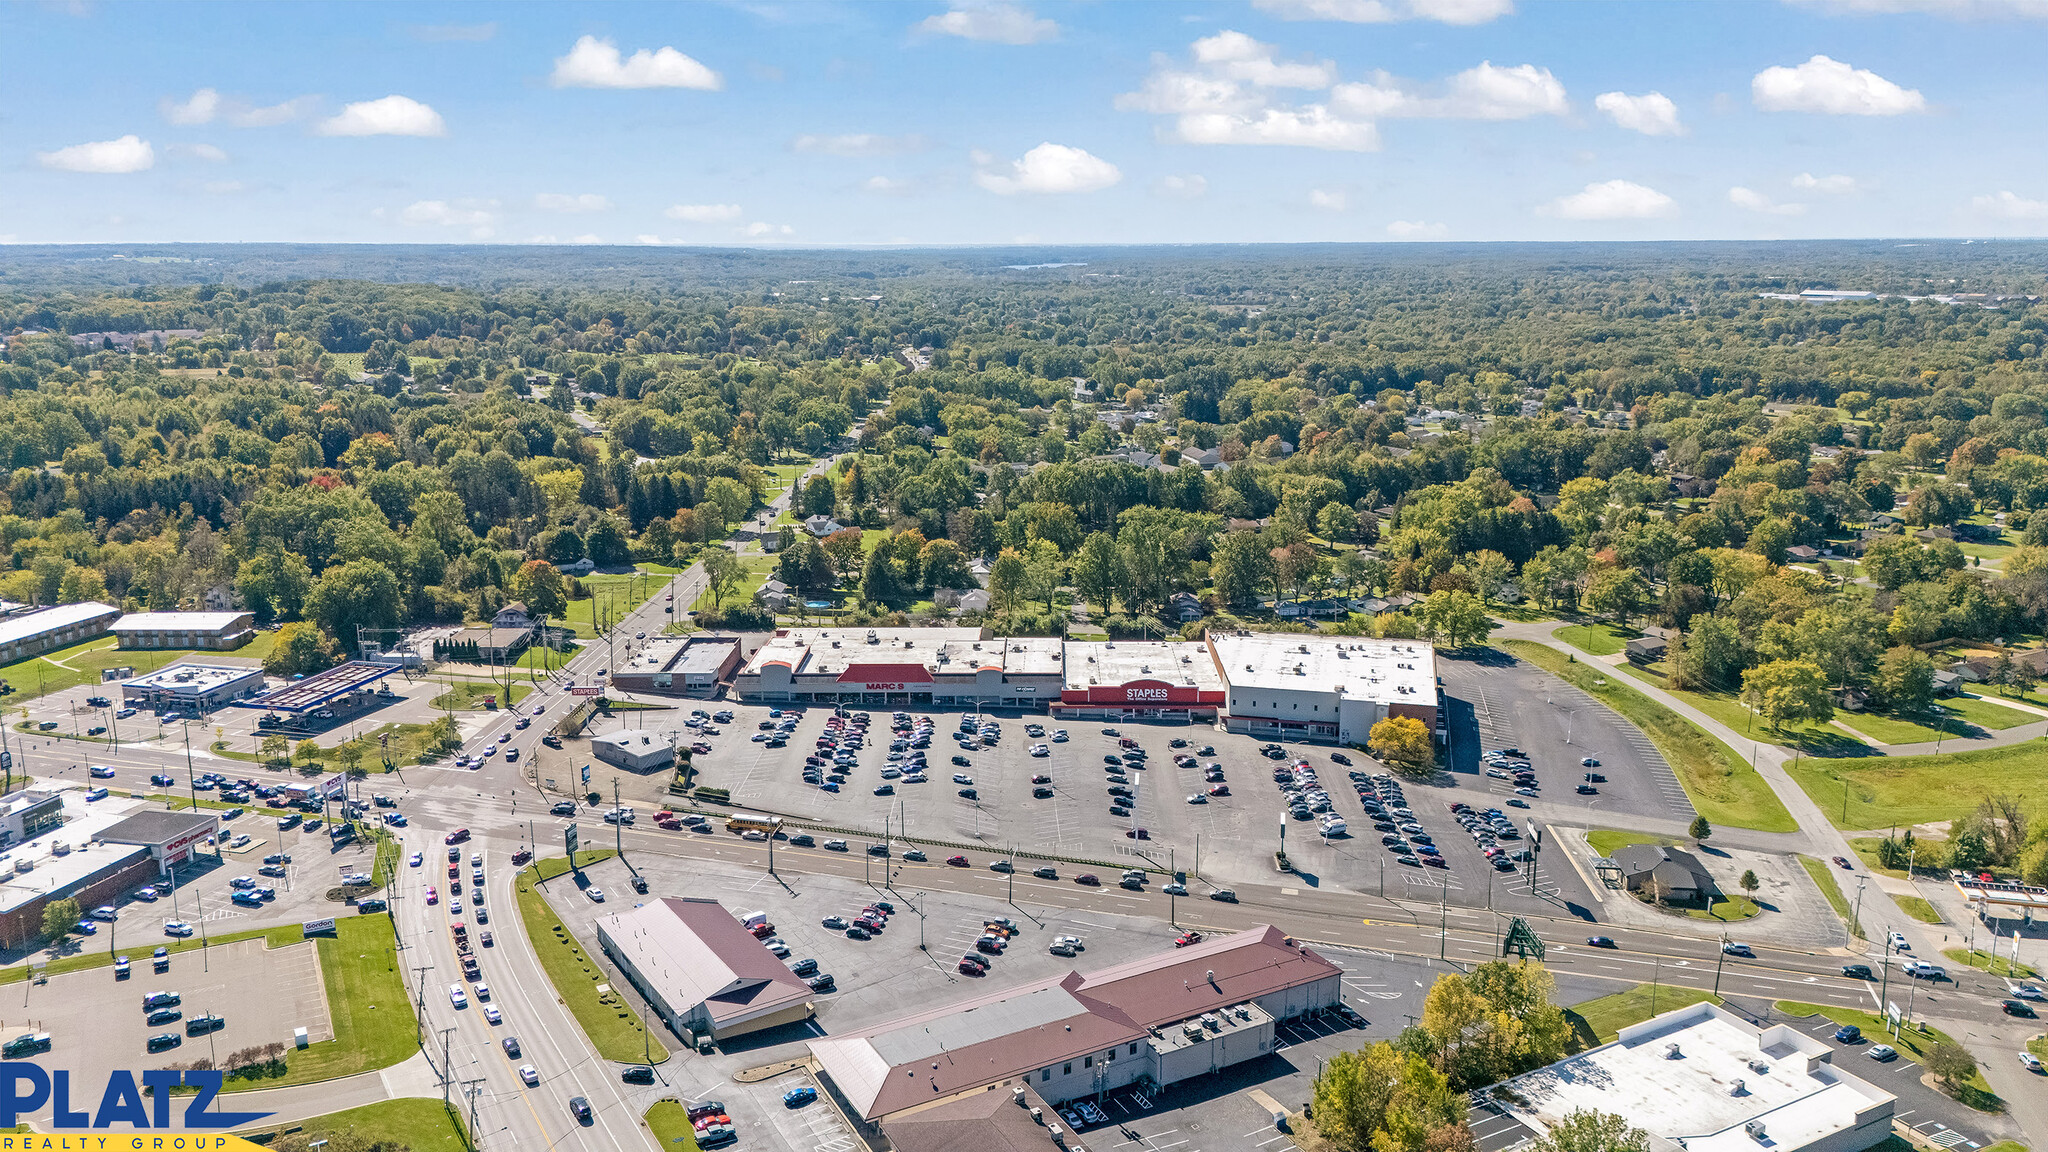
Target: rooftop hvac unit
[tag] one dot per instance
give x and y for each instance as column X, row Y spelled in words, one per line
column 1037, row 1114
column 1671, row 1052
column 1755, row 1128
column 1740, row 1089
column 1759, row 1067
column 1191, row 1030
column 1017, row 1094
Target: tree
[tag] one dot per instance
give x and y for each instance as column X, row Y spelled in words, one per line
column 1337, row 522
column 941, row 564
column 274, row 747
column 1700, row 829
column 541, row 586
column 301, row 649
column 1584, row 1130
column 60, row 918
column 350, row 754
column 805, row 567
column 1099, row 571
column 1242, row 565
column 358, row 594
column 1617, row 592
column 879, row 582
column 1905, row 679
column 819, row 496
column 1749, row 882
column 1008, row 581
column 1456, row 618
column 733, row 498
column 607, row 545
column 1951, row 1064
column 1788, row 690
column 274, row 584
column 846, row 550
column 1382, row 1099
column 1403, row 742
column 723, row 573
column 1491, row 571
column 1709, row 656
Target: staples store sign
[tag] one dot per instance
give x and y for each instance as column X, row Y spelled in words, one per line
column 1144, row 692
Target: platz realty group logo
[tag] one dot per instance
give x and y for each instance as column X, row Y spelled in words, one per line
column 132, row 1110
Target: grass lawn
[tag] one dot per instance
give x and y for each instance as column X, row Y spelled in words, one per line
column 416, row 1122
column 1823, row 874
column 82, row 663
column 463, row 695
column 1599, row 639
column 1728, row 910
column 1596, row 1022
column 1894, row 791
column 1913, row 1043
column 1918, row 908
column 1865, row 848
column 1606, row 840
column 1814, row 739
column 670, row 1124
column 608, row 598
column 1894, row 729
column 1994, row 964
column 1986, row 713
column 1721, row 785
column 614, row 1028
column 1950, row 718
column 758, row 569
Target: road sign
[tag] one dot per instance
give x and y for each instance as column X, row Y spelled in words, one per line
column 579, row 690
column 569, row 840
column 586, row 773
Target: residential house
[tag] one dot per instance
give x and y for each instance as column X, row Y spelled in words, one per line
column 218, row 598
column 774, row 595
column 1647, row 649
column 1184, row 606
column 1803, row 553
column 583, row 567
column 822, row 526
column 1947, row 684
column 1937, row 532
column 974, row 601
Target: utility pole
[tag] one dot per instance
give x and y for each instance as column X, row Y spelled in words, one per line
column 618, row 821
column 447, row 1069
column 1719, row 961
column 1884, row 980
column 473, row 1089
column 419, row 1002
column 1856, row 918
column 190, row 781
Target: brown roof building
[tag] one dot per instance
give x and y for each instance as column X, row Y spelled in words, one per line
column 700, row 970
column 1153, row 1021
column 1014, row 1121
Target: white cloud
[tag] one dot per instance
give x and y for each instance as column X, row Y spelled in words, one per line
column 130, row 153
column 389, row 116
column 1612, row 200
column 223, row 187
column 1052, row 168
column 563, row 202
column 997, row 23
column 1239, row 57
column 1307, row 126
column 648, row 238
column 1826, row 185
column 1417, row 230
column 586, row 238
column 2008, row 206
column 1187, row 187
column 198, row 108
column 703, row 213
column 1954, row 9
column 1482, row 93
column 858, row 144
column 761, row 228
column 479, row 220
column 886, row 185
column 1753, row 201
column 1328, row 201
column 1388, row 11
column 595, row 63
column 196, row 152
column 245, row 116
column 1652, row 113
column 1832, row 87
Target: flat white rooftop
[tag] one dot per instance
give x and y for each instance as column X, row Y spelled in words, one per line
column 83, row 822
column 939, row 651
column 18, row 628
column 176, row 621
column 192, row 678
column 1723, row 1074
column 1382, row 671
column 1109, row 663
column 655, row 655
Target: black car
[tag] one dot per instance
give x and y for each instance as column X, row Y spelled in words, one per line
column 579, row 1108
column 970, row 794
column 1588, row 790
column 962, row 761
column 164, row 1015
column 2017, row 1008
column 201, row 1025
column 163, row 1040
column 802, row 840
column 821, row 983
column 637, row 1074
column 1041, row 793
column 511, row 1046
column 1858, row 972
column 804, row 967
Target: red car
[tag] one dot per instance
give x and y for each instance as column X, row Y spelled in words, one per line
column 1087, row 878
column 1839, row 860
column 456, row 837
column 957, row 861
column 1187, row 938
column 433, row 897
column 1219, row 790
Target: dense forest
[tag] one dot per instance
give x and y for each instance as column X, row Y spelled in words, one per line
column 387, row 437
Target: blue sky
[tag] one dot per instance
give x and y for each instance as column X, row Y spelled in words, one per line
column 824, row 123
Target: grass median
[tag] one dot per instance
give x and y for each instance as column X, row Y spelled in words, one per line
column 1608, row 841
column 614, row 1028
column 1989, row 962
column 670, row 1123
column 1722, row 786
column 412, row 1122
column 1823, row 875
column 1597, row 1022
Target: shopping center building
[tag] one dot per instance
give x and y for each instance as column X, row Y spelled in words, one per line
column 1332, row 688
column 1139, row 680
column 934, row 667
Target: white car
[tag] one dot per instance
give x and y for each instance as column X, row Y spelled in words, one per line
column 177, row 928
column 962, row 778
column 1040, row 750
column 483, row 990
column 1198, row 798
column 457, row 996
column 760, row 737
column 1059, row 736
column 530, row 1075
column 2030, row 1062
column 492, row 1014
column 1072, row 941
column 1899, row 944
column 774, row 944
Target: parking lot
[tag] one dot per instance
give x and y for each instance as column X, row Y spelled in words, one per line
column 97, row 1025
column 1217, row 842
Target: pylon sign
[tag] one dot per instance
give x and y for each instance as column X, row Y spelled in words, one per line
column 1522, row 941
